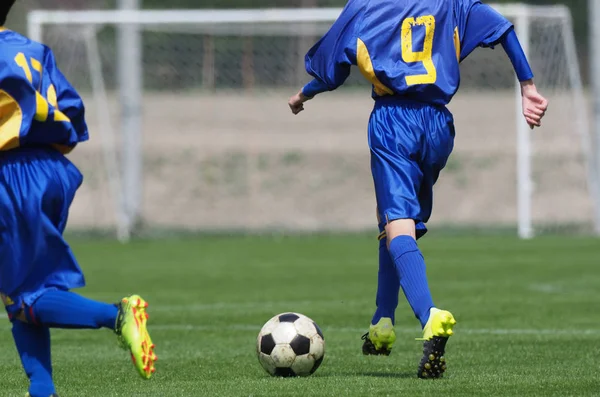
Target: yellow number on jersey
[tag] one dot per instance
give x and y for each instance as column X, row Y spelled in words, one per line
column 409, row 56
column 42, row 104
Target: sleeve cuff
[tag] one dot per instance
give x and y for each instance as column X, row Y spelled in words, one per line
column 313, row 88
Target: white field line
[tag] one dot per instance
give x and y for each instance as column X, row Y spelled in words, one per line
column 402, row 330
column 254, row 307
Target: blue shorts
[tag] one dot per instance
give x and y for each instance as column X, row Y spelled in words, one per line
column 37, row 186
column 410, row 143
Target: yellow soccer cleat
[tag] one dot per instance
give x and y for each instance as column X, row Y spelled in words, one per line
column 133, row 334
column 380, row 338
column 435, row 334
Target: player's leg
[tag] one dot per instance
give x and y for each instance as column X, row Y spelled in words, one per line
column 391, row 174
column 397, row 159
column 32, row 336
column 64, row 309
column 128, row 319
column 32, row 342
column 33, row 346
column 381, row 335
column 439, row 325
column 410, row 265
column 39, row 185
column 397, row 176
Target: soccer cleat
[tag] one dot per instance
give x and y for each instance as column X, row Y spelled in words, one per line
column 380, row 338
column 133, row 335
column 435, row 334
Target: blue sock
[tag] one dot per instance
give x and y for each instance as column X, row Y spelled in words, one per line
column 33, row 345
column 410, row 266
column 388, row 286
column 63, row 309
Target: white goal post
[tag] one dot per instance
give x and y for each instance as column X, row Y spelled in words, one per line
column 286, row 22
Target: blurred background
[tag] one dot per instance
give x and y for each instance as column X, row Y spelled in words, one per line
column 192, row 141
column 207, row 143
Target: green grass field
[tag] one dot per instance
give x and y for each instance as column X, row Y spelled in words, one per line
column 527, row 313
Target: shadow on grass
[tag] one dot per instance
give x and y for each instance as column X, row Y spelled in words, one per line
column 399, row 375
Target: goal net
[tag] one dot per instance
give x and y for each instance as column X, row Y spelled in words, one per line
column 190, row 129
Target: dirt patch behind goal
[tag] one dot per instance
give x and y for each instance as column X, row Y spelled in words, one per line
column 242, row 161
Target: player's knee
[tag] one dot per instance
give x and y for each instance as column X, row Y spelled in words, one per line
column 400, row 227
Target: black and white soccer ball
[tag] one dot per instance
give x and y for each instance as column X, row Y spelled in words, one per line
column 290, row 344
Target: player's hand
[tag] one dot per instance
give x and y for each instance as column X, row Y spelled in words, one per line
column 296, row 102
column 534, row 104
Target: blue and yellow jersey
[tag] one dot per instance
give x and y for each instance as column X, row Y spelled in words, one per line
column 410, row 48
column 38, row 106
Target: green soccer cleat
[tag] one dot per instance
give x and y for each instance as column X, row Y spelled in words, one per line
column 435, row 334
column 133, row 335
column 380, row 338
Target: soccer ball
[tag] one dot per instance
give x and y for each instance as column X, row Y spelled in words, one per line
column 290, row 344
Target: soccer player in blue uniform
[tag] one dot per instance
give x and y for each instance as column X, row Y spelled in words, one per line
column 410, row 51
column 42, row 119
